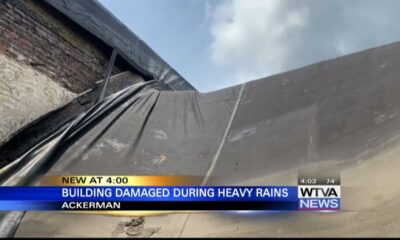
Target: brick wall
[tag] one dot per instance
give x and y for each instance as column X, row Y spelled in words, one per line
column 33, row 33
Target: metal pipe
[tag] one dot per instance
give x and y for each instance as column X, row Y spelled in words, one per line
column 108, row 74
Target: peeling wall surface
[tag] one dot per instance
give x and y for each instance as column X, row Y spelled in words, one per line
column 41, row 128
column 25, row 95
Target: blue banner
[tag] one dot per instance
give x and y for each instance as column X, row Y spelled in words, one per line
column 158, row 193
column 158, row 198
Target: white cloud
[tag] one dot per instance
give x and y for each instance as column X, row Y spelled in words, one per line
column 256, row 38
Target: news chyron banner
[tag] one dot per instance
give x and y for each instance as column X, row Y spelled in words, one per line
column 168, row 193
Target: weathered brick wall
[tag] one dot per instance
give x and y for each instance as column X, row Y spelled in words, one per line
column 35, row 34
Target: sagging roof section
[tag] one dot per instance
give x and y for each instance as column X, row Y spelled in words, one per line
column 96, row 19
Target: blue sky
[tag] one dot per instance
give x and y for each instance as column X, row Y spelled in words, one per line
column 220, row 43
column 177, row 30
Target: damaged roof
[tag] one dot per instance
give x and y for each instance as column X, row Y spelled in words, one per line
column 100, row 22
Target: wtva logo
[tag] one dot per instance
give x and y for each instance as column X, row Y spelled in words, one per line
column 314, row 197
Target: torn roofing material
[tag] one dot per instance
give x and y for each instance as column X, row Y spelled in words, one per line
column 339, row 111
column 97, row 20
